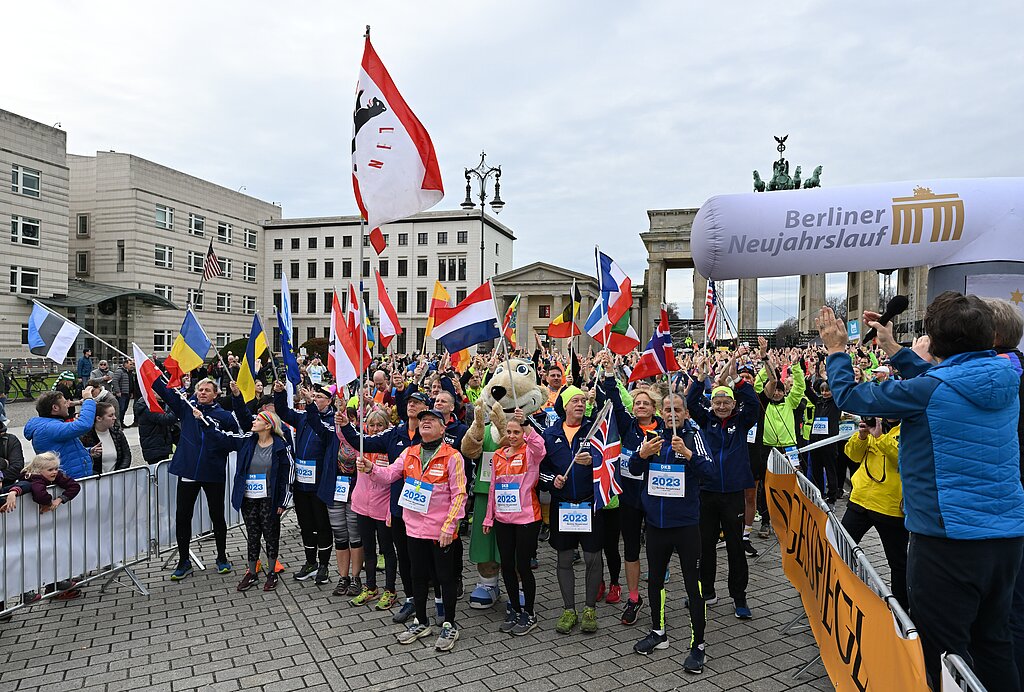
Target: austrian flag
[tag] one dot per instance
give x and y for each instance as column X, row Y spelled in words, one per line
column 395, row 172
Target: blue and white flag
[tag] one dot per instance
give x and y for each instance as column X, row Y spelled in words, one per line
column 284, row 324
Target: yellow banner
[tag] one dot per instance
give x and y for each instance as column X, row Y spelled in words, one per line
column 856, row 634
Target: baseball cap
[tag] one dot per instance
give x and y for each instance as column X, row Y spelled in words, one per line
column 430, row 412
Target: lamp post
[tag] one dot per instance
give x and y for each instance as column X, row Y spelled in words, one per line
column 481, row 173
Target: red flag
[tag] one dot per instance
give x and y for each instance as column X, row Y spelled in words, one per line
column 147, row 373
column 377, row 241
column 395, row 172
column 389, row 324
column 343, row 349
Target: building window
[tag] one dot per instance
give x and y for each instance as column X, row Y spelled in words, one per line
column 383, row 267
column 403, row 301
column 421, row 338
column 164, row 217
column 293, row 301
column 346, row 241
column 462, row 269
column 24, row 231
column 223, row 232
column 165, row 291
column 328, row 269
column 544, row 311
column 311, row 302
column 421, row 238
column 451, row 268
column 366, row 268
column 249, row 239
column 385, row 238
column 295, row 270
column 195, row 298
column 329, row 242
column 279, row 243
column 249, row 272
column 277, row 270
column 460, row 295
column 25, row 181
column 311, row 269
column 421, row 266
column 197, row 225
column 421, row 301
column 442, row 237
column 162, row 341
column 403, row 267
column 495, row 268
column 366, row 241
column 312, row 242
column 223, row 339
column 82, row 262
column 295, row 243
column 277, row 300
column 24, row 333
column 326, row 332
column 328, row 301
column 496, row 246
column 25, row 280
column 248, row 305
column 195, row 262
column 310, row 333
column 400, row 343
column 346, row 269
column 442, row 269
column 164, row 257
column 225, row 266
column 120, row 255
column 223, row 302
column 83, row 225
column 462, row 237
column 403, row 238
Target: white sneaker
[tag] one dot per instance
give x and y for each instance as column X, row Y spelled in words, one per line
column 447, row 638
column 413, row 632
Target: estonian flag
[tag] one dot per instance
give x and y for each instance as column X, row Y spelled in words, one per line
column 50, row 335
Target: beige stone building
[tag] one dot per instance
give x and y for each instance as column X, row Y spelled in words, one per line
column 35, row 207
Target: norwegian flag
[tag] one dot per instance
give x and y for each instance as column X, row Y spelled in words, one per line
column 711, row 313
column 605, row 439
column 659, row 358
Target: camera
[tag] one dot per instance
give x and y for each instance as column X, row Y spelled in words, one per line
column 869, row 421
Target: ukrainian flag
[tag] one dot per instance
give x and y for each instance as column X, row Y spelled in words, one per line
column 189, row 349
column 256, row 347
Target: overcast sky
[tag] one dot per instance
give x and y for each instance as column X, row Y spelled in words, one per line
column 596, row 111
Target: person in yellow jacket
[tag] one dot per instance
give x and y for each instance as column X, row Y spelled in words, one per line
column 877, row 496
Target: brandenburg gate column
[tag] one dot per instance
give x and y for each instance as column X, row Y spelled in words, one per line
column 655, row 288
column 812, row 297
column 747, row 304
column 700, row 295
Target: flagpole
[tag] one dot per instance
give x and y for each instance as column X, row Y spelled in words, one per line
column 82, row 329
column 504, row 342
column 361, row 334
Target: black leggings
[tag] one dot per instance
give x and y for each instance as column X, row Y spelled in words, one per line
column 723, row 511
column 372, row 532
column 685, row 541
column 895, row 540
column 517, row 543
column 188, row 493
column 611, row 542
column 824, row 470
column 401, row 541
column 631, row 520
column 429, row 560
column 261, row 521
column 315, row 526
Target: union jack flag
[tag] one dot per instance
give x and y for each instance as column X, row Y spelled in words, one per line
column 605, row 440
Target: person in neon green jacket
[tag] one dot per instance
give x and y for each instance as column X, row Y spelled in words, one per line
column 779, row 405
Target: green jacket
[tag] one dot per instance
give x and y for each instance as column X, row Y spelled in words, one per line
column 778, row 418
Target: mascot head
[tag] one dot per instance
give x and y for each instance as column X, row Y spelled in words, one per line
column 518, row 387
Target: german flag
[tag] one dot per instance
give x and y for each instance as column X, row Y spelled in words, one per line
column 564, row 326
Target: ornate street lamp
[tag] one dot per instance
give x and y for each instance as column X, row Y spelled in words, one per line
column 481, row 173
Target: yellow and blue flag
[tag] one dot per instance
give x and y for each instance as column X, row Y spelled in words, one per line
column 189, row 349
column 256, row 347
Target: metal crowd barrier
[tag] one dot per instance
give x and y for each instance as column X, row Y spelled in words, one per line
column 956, row 675
column 101, row 533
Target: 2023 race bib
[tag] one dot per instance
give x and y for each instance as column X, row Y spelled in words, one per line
column 416, row 495
column 627, row 454
column 255, row 485
column 752, row 435
column 575, row 517
column 793, row 454
column 847, row 426
column 666, row 480
column 820, row 426
column 342, row 486
column 305, row 471
column 506, row 498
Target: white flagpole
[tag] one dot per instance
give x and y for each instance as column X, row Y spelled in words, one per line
column 361, row 335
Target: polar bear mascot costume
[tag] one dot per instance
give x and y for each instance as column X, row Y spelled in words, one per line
column 513, row 384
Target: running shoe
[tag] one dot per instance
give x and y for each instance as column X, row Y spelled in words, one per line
column 306, row 571
column 600, row 591
column 365, row 594
column 387, row 599
column 614, row 594
column 380, row 562
column 405, row 612
column 355, row 587
column 588, row 623
column 342, row 588
column 248, row 581
column 446, row 640
column 652, row 641
column 545, row 533
column 742, row 610
column 323, row 575
column 566, row 622
column 511, row 619
column 694, row 663
column 413, row 632
column 223, row 566
column 748, row 547
column 181, row 571
column 484, row 596
column 271, row 582
column 525, row 625
column 632, row 610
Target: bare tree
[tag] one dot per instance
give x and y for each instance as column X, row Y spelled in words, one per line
column 838, row 305
column 787, row 333
column 673, row 311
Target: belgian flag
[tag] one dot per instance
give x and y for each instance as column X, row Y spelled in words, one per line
column 564, row 326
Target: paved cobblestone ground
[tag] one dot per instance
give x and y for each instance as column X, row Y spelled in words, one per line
column 202, row 634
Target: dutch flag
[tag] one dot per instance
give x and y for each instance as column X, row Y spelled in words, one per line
column 471, row 322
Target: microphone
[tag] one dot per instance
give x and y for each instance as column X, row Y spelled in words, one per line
column 896, row 306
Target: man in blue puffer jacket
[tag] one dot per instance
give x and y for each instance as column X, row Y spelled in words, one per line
column 961, row 479
column 52, row 432
column 200, row 466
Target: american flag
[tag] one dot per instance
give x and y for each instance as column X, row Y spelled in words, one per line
column 211, row 267
column 711, row 313
column 605, row 439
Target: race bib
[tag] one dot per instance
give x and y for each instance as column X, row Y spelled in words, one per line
column 752, row 435
column 575, row 518
column 550, row 416
column 486, row 467
column 416, row 495
column 315, row 376
column 793, row 454
column 666, row 480
column 506, row 498
column 847, row 426
column 255, row 485
column 305, row 471
column 627, row 454
column 342, row 486
column 820, row 426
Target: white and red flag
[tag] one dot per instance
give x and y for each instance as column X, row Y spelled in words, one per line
column 389, row 324
column 343, row 348
column 147, row 373
column 395, row 173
